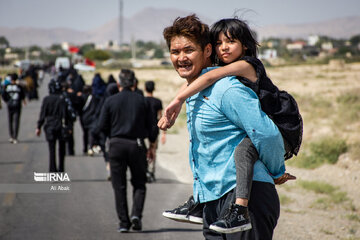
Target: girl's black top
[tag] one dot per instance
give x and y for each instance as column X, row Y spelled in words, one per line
column 279, row 105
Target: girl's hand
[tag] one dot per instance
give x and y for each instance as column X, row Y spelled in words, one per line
column 163, row 123
column 172, row 111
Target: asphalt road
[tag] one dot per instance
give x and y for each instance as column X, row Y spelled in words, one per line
column 30, row 211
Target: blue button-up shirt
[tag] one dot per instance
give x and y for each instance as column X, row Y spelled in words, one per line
column 219, row 117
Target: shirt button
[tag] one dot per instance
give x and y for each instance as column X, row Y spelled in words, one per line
column 190, row 140
column 196, row 178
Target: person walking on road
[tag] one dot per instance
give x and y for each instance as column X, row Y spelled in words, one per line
column 56, row 119
column 156, row 109
column 14, row 96
column 126, row 119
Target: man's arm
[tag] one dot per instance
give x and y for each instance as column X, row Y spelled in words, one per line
column 151, row 152
column 42, row 113
column 242, row 107
column 104, row 120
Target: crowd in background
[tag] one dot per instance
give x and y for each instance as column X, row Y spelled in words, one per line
column 82, row 102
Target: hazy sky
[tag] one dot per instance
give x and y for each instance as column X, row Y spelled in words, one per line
column 89, row 14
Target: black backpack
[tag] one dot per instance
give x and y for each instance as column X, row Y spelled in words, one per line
column 280, row 106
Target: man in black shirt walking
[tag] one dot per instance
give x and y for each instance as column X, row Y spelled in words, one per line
column 14, row 96
column 126, row 119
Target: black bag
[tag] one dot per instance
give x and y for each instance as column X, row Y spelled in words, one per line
column 280, row 106
column 66, row 131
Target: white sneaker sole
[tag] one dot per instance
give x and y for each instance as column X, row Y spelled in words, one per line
column 182, row 218
column 230, row 230
column 196, row 220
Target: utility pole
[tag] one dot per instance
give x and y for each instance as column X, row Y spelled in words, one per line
column 121, row 23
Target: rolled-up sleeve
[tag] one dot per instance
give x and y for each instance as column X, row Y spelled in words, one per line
column 242, row 107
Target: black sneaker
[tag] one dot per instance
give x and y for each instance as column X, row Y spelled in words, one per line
column 189, row 212
column 236, row 219
column 150, row 177
column 136, row 223
column 123, row 230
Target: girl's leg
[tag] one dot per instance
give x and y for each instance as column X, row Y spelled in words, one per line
column 237, row 219
column 245, row 157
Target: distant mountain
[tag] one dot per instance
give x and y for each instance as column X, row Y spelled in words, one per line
column 335, row 28
column 146, row 25
column 26, row 36
column 149, row 23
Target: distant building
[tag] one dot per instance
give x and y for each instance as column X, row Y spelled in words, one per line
column 11, row 56
column 271, row 43
column 65, row 46
column 109, row 45
column 327, row 46
column 313, row 40
column 268, row 54
column 35, row 53
column 296, row 46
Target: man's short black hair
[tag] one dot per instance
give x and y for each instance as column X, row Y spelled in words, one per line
column 126, row 78
column 149, row 86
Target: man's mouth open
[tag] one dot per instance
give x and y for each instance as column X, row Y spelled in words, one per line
column 185, row 67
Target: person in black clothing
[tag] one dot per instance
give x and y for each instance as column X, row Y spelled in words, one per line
column 55, row 115
column 73, row 105
column 111, row 79
column 136, row 89
column 88, row 117
column 126, row 119
column 13, row 95
column 156, row 109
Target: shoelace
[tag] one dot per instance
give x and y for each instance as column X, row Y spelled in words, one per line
column 230, row 214
column 184, row 205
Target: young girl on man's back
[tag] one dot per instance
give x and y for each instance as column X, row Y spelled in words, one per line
column 236, row 51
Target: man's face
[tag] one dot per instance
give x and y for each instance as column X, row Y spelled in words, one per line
column 188, row 58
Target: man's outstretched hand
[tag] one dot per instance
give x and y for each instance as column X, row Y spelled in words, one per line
column 170, row 114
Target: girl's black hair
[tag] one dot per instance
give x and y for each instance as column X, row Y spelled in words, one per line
column 234, row 28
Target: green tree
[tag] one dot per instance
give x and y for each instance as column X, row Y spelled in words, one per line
column 122, row 54
column 355, row 40
column 86, row 48
column 159, row 53
column 4, row 43
column 55, row 47
column 140, row 43
column 150, row 45
column 35, row 48
column 100, row 55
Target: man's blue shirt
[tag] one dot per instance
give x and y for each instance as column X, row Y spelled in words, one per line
column 218, row 119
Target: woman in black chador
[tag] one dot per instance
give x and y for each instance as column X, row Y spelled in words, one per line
column 57, row 120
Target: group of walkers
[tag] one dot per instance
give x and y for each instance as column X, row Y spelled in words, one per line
column 242, row 128
column 70, row 98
